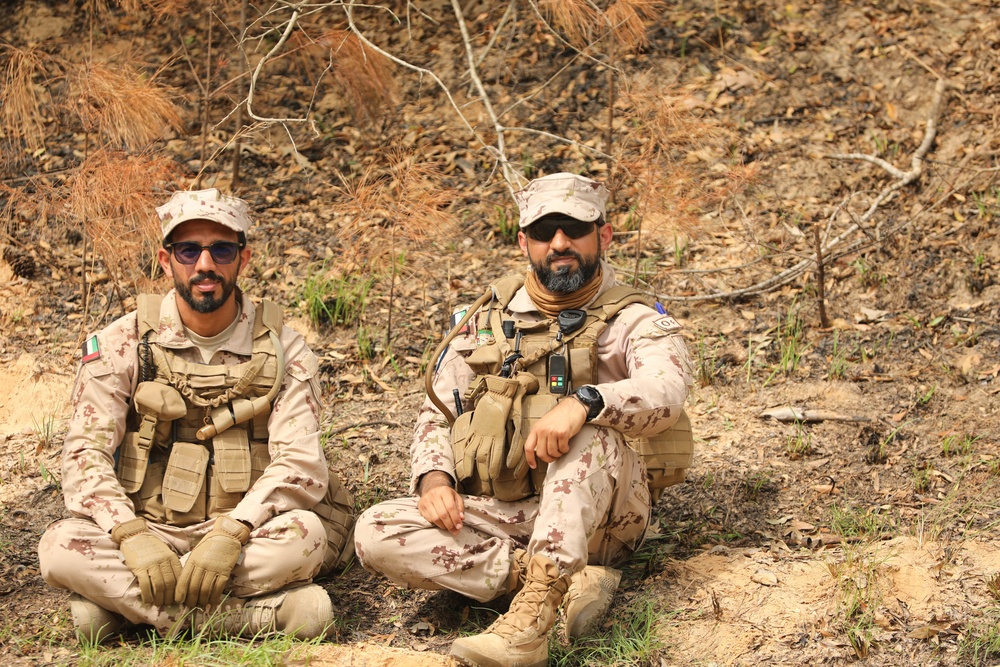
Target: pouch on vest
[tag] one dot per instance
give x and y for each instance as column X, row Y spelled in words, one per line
column 667, row 455
column 156, row 403
column 486, row 359
column 185, row 476
column 232, row 460
column 133, row 455
column 535, row 407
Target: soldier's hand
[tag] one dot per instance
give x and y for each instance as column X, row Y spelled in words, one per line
column 439, row 503
column 153, row 563
column 549, row 437
column 211, row 563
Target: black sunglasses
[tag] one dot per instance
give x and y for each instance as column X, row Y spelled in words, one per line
column 544, row 230
column 222, row 252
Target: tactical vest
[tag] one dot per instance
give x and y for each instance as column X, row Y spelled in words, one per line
column 666, row 455
column 197, row 436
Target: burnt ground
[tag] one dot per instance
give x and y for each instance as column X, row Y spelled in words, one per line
column 868, row 534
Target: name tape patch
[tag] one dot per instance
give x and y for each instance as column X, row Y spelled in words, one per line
column 666, row 323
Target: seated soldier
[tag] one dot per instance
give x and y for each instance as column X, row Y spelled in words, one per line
column 523, row 477
column 200, row 494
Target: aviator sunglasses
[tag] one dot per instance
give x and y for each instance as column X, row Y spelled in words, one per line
column 222, row 252
column 544, row 230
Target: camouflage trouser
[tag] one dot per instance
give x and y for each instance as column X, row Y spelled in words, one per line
column 75, row 554
column 593, row 508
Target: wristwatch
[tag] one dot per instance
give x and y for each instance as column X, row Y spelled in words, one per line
column 591, row 399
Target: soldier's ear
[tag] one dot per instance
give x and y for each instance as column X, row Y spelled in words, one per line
column 522, row 241
column 163, row 257
column 606, row 233
column 244, row 258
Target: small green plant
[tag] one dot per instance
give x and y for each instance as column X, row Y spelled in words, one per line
column 366, row 344
column 756, row 484
column 867, row 275
column 202, row 649
column 507, row 227
column 705, row 370
column 923, row 478
column 680, row 251
column 838, row 360
column 800, row 443
column 925, row 397
column 335, row 300
column 44, row 431
column 631, row 639
column 993, row 586
column 868, row 522
column 979, row 645
column 790, row 335
column 986, row 202
column 957, row 445
column 860, row 596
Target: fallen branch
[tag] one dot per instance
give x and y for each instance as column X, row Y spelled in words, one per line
column 350, row 427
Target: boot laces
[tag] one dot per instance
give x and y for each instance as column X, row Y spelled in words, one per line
column 526, row 609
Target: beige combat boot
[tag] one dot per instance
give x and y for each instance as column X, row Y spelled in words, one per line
column 588, row 598
column 519, row 638
column 92, row 622
column 303, row 613
column 518, row 571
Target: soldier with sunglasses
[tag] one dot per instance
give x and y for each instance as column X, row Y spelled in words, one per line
column 200, row 496
column 526, row 468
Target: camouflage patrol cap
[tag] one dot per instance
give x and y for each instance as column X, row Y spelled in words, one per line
column 210, row 204
column 569, row 194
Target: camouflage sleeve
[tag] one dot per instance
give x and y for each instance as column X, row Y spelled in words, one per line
column 650, row 372
column 101, row 396
column 297, row 476
column 431, row 447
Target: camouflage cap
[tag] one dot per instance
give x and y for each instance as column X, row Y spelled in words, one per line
column 210, row 204
column 569, row 194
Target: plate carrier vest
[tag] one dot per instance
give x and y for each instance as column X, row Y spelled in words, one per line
column 666, row 455
column 197, row 436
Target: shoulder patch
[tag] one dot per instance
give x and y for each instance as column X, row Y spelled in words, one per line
column 456, row 317
column 90, row 350
column 666, row 323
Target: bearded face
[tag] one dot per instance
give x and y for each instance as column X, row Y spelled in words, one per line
column 558, row 275
column 205, row 301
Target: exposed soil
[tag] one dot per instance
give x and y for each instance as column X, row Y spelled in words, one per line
column 870, row 533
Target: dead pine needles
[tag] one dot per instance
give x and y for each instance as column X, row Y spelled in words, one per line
column 389, row 210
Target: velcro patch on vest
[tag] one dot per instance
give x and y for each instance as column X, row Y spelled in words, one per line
column 90, row 350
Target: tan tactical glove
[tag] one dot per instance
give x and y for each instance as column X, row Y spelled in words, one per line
column 487, row 432
column 210, row 564
column 153, row 563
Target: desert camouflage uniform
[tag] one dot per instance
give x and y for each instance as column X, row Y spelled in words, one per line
column 594, row 504
column 287, row 543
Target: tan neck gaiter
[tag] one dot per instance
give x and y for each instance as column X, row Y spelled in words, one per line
column 550, row 304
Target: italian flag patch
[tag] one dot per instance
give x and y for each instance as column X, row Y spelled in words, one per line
column 90, row 350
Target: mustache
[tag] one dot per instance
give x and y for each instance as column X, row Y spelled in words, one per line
column 202, row 277
column 561, row 254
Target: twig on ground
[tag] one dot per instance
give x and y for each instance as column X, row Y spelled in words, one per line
column 375, row 422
